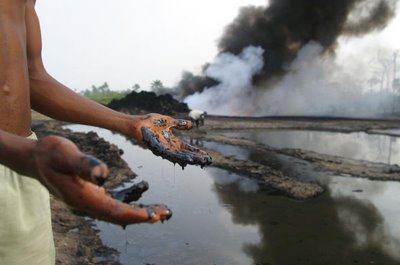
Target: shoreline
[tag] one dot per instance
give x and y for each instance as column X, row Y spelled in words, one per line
column 77, row 239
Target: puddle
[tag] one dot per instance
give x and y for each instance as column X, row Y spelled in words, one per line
column 361, row 146
column 391, row 132
column 228, row 150
column 219, row 218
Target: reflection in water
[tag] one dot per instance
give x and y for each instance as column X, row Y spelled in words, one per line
column 326, row 230
column 218, row 219
column 201, row 230
column 370, row 147
column 384, row 197
column 229, row 150
column 391, row 132
column 244, row 184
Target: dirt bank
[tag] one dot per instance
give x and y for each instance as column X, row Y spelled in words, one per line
column 266, row 172
column 76, row 239
column 215, row 123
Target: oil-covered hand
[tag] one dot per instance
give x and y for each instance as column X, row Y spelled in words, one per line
column 74, row 178
column 155, row 131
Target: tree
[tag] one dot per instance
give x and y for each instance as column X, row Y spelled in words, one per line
column 158, row 88
column 103, row 94
column 156, row 85
column 136, row 87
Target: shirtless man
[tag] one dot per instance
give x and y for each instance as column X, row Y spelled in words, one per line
column 55, row 162
column 197, row 116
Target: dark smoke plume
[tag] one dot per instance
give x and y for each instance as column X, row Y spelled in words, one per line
column 285, row 26
column 190, row 83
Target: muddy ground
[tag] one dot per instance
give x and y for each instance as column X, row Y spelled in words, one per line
column 76, row 238
column 271, row 177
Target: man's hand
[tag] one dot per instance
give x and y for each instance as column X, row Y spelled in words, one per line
column 71, row 176
column 155, row 131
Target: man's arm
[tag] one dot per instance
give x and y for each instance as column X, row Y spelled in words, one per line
column 71, row 176
column 51, row 154
column 15, row 152
column 55, row 100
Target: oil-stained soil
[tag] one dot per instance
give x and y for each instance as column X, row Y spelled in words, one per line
column 76, row 238
column 275, row 179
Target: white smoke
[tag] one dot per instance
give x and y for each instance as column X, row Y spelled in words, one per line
column 317, row 85
column 235, row 93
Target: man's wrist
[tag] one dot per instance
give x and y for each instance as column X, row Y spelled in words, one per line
column 132, row 125
column 18, row 153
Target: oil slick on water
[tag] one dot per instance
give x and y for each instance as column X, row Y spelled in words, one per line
column 222, row 218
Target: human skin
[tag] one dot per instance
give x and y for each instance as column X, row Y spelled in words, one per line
column 54, row 161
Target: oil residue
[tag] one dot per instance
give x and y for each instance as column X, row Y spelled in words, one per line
column 227, row 217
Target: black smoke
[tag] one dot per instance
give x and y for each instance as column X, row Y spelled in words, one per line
column 283, row 27
column 190, row 83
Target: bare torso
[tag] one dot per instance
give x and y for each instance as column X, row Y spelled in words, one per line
column 15, row 114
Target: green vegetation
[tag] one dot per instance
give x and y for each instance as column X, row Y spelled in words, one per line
column 104, row 95
column 158, row 87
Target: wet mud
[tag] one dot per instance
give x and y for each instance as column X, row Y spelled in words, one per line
column 76, row 238
column 271, row 177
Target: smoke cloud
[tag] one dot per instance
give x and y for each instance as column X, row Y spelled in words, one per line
column 316, row 85
column 284, row 27
column 298, row 39
column 234, row 74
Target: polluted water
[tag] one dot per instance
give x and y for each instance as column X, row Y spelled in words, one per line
column 224, row 218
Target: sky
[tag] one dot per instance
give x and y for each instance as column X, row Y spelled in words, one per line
column 124, row 42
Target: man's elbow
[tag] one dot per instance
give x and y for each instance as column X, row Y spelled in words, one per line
column 37, row 71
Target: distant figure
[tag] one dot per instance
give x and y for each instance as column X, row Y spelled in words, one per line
column 197, row 116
